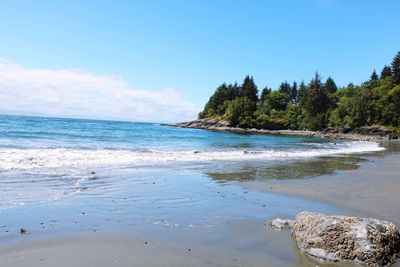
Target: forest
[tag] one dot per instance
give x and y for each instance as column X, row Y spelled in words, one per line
column 315, row 105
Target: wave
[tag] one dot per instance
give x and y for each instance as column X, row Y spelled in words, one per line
column 37, row 158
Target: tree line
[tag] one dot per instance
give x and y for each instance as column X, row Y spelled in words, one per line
column 314, row 106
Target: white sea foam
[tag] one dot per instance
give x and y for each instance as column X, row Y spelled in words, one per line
column 30, row 159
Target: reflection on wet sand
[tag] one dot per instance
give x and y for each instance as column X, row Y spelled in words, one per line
column 293, row 170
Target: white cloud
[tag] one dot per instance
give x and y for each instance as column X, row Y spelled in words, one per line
column 76, row 93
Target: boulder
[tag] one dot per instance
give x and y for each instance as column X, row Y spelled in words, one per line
column 364, row 241
column 280, row 224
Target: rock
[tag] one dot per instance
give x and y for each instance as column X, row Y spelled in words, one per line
column 364, row 241
column 280, row 224
column 22, row 231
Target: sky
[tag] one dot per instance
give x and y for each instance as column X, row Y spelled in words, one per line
column 160, row 61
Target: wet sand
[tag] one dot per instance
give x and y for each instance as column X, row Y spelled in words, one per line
column 372, row 190
column 270, row 248
column 200, row 222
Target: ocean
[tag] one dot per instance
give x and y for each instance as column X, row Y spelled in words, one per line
column 47, row 159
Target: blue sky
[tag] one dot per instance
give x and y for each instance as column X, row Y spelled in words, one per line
column 190, row 47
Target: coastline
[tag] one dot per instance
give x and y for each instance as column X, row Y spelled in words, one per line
column 184, row 215
column 368, row 133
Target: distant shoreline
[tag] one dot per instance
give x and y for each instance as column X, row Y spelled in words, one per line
column 366, row 133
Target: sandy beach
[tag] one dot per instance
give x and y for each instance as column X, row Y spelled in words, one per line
column 370, row 190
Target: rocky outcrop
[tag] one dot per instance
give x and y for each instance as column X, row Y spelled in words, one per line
column 369, row 242
column 377, row 131
column 366, row 133
column 209, row 124
column 280, row 224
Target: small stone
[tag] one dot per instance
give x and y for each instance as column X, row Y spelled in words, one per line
column 280, row 224
column 22, row 231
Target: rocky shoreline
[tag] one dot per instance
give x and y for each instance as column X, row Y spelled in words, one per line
column 365, row 133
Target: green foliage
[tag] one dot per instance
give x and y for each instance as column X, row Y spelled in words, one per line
column 294, row 118
column 302, row 95
column 386, row 72
column 374, row 76
column 317, row 104
column 314, row 106
column 394, row 105
column 330, row 86
column 396, row 68
column 276, row 100
column 264, row 94
column 250, row 91
column 240, row 112
column 215, row 106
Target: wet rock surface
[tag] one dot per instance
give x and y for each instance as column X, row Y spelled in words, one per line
column 364, row 241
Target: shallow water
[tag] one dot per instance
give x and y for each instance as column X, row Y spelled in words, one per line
column 177, row 186
column 46, row 159
column 179, row 207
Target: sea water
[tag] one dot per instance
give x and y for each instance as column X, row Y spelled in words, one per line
column 47, row 159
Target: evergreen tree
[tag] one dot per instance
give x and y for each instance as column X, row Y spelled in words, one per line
column 215, row 105
column 240, row 112
column 286, row 90
column 302, row 94
column 312, row 106
column 277, row 101
column 386, row 72
column 264, row 94
column 396, row 68
column 317, row 104
column 374, row 76
column 294, row 93
column 249, row 89
column 330, row 85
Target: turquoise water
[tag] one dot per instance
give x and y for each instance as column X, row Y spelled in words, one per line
column 35, row 132
column 47, row 159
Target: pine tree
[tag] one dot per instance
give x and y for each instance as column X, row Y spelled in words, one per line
column 264, row 93
column 396, row 68
column 330, row 85
column 302, row 94
column 317, row 104
column 249, row 90
column 386, row 72
column 374, row 76
column 294, row 93
column 286, row 90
